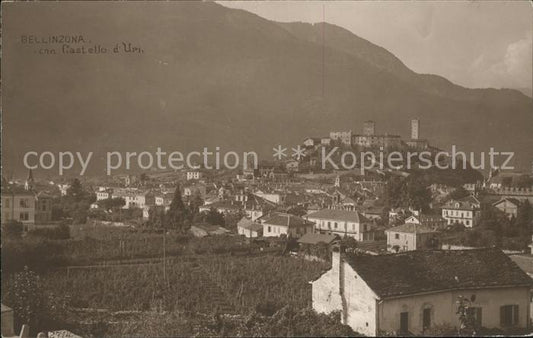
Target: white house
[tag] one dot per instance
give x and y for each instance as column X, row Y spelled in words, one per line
column 164, row 199
column 466, row 211
column 311, row 141
column 104, row 193
column 194, row 175
column 279, row 224
column 508, row 205
column 248, row 228
column 276, row 198
column 342, row 223
column 414, row 291
column 431, row 221
column 410, row 236
column 255, row 206
column 63, row 188
column 134, row 198
column 345, row 137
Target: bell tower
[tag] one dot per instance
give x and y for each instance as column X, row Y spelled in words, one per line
column 29, row 184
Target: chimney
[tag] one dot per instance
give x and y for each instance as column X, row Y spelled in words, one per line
column 336, row 251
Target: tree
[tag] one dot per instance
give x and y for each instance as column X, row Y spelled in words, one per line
column 156, row 216
column 75, row 191
column 177, row 216
column 12, row 229
column 196, row 202
column 214, row 217
column 524, row 218
column 523, row 181
column 111, row 203
column 466, row 315
column 25, row 296
column 493, row 218
column 143, row 178
column 418, row 195
column 459, row 193
column 76, row 203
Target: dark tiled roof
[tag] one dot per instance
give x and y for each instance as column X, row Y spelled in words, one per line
column 255, row 202
column 341, row 215
column 430, row 271
column 221, row 205
column 311, row 238
column 249, row 224
column 12, row 189
column 525, row 262
column 510, row 199
column 467, row 203
column 286, row 220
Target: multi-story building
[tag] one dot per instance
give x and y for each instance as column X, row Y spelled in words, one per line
column 104, row 193
column 409, row 236
column 194, row 175
column 344, row 137
column 375, row 141
column 279, row 224
column 134, row 198
column 466, row 211
column 430, row 221
column 342, row 223
column 18, row 204
column 43, row 208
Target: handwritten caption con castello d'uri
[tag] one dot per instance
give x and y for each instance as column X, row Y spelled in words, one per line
column 76, row 44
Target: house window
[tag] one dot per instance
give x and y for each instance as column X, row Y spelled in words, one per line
column 23, row 203
column 426, row 318
column 508, row 315
column 7, row 203
column 335, row 225
column 476, row 314
column 269, row 228
column 24, row 216
column 404, row 322
column 396, row 236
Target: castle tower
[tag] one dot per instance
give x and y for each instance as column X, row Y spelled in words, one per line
column 415, row 128
column 337, row 181
column 28, row 185
column 369, row 128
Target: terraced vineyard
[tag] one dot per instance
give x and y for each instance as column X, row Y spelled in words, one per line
column 194, row 284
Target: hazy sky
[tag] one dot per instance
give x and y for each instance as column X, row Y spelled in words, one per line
column 472, row 43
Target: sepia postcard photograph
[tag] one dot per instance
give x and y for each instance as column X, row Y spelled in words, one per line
column 309, row 168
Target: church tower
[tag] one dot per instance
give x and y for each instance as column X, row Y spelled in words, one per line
column 415, row 129
column 29, row 184
column 337, row 181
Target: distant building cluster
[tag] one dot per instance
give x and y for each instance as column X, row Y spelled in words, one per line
column 369, row 138
column 25, row 204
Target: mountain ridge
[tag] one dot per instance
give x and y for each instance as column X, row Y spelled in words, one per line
column 229, row 78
